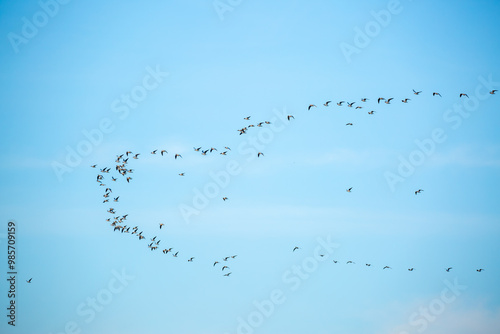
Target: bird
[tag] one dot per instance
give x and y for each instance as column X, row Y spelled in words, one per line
column 416, row 93
column 247, row 118
column 327, row 103
column 295, row 248
column 116, row 199
column 380, row 99
column 436, row 94
column 349, row 190
column 448, row 269
column 349, row 124
column 368, row 264
column 233, row 256
column 226, row 258
column 340, row 103
column 175, row 255
column 93, row 166
column 387, row 267
column 359, row 107
column 334, row 261
column 197, row 148
column 310, row 106
column 161, row 225
column 418, row 191
column 405, row 100
column 154, row 152
column 163, row 151
column 225, row 267
column 478, row 270
column 215, row 263
column 177, row 156
column 388, row 101
column 290, row 117
column 224, row 198
column 181, row 174
column 227, row 148
column 227, row 275
column 350, row 104
column 223, row 153
column 493, row 91
column 136, row 156
column 371, row 112
column 350, row 262
column 410, row 269
column 191, row 259
column 259, row 154
column 128, row 179
column 29, row 281
column 364, row 99
column 463, row 94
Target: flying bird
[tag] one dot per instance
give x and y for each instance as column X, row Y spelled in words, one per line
column 478, row 270
column 177, row 155
column 289, row 117
column 29, row 281
column 349, row 124
column 410, row 269
column 371, row 112
column 340, row 103
column 416, row 93
column 405, row 100
column 327, row 103
column 389, row 100
column 463, row 94
column 259, row 154
column 380, row 99
column 493, row 91
column 163, row 151
column 349, row 190
column 295, row 248
column 310, row 106
column 387, row 267
column 448, row 269
column 227, row 275
column 224, row 198
column 418, row 191
column 436, row 94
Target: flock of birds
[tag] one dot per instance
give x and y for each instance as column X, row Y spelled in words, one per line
column 382, row 99
column 119, row 222
column 383, row 268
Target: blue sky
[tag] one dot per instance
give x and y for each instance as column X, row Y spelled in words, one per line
column 192, row 71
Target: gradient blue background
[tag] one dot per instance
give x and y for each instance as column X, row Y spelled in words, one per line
column 259, row 57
